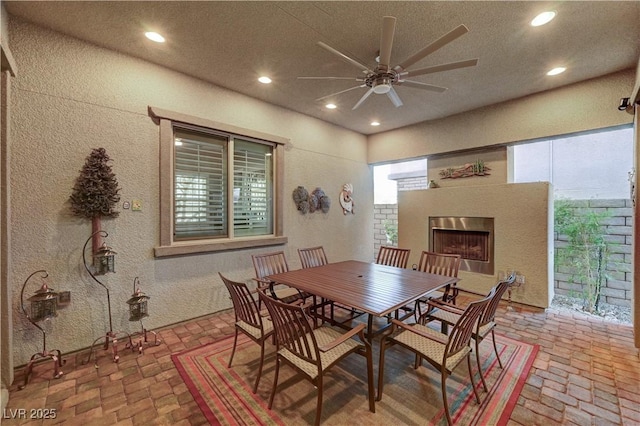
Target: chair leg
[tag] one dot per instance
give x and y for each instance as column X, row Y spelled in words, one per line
column 473, row 382
column 495, row 348
column 383, row 348
column 255, row 387
column 484, row 384
column 369, row 356
column 443, row 380
column 275, row 382
column 319, row 403
column 233, row 351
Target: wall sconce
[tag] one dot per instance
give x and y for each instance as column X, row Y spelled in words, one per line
column 43, row 306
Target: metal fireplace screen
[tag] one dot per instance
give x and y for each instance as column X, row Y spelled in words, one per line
column 470, row 237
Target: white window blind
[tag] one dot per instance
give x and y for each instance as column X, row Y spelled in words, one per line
column 200, row 185
column 252, row 184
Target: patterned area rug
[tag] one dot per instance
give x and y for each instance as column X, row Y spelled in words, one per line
column 411, row 397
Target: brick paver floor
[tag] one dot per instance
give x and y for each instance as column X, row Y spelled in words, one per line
column 587, row 372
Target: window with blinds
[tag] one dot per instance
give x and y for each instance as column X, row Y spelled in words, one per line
column 202, row 194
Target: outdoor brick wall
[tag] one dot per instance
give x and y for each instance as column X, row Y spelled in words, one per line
column 617, row 290
column 381, row 214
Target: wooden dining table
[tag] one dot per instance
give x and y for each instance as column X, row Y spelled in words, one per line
column 377, row 290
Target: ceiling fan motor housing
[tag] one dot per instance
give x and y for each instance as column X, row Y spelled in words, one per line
column 381, row 82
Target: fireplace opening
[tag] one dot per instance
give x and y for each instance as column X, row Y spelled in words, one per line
column 470, row 237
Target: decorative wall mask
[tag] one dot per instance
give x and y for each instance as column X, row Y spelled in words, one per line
column 345, row 199
column 316, row 201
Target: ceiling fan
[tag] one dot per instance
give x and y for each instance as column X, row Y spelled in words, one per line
column 383, row 78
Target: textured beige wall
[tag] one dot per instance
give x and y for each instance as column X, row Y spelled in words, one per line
column 578, row 107
column 523, row 226
column 71, row 97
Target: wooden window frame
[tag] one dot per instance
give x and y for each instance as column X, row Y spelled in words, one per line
column 168, row 246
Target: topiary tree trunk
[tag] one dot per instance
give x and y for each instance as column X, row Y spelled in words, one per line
column 95, row 193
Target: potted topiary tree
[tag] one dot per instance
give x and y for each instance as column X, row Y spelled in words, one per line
column 95, row 193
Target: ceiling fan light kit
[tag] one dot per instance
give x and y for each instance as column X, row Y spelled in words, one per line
column 382, row 78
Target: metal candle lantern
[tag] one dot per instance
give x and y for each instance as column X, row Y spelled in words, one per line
column 104, row 260
column 137, row 303
column 137, row 311
column 43, row 306
column 44, row 303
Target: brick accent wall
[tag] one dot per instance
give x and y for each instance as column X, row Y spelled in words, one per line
column 617, row 290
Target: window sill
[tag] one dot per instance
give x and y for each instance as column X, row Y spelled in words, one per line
column 191, row 247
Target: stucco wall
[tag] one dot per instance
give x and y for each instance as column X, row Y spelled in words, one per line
column 523, row 231
column 583, row 106
column 71, row 97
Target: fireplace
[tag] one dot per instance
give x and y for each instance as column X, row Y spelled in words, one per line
column 470, row 237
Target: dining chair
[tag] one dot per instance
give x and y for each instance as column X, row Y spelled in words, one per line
column 444, row 352
column 393, row 256
column 312, row 256
column 312, row 351
column 441, row 264
column 486, row 324
column 249, row 320
column 275, row 263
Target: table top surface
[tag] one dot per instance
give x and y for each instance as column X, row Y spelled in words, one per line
column 372, row 288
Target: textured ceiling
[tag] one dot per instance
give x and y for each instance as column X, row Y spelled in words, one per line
column 231, row 43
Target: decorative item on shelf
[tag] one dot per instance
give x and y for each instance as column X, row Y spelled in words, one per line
column 477, row 168
column 346, row 201
column 137, row 311
column 111, row 337
column 43, row 307
column 433, row 184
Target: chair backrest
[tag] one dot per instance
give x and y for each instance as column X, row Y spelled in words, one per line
column 244, row 305
column 393, row 256
column 498, row 290
column 312, row 256
column 269, row 264
column 463, row 329
column 292, row 328
column 439, row 263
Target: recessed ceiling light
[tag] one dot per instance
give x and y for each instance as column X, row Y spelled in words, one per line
column 375, row 123
column 264, row 79
column 543, row 18
column 153, row 36
column 330, row 106
column 556, row 71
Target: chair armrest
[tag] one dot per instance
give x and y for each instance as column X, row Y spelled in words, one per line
column 346, row 336
column 439, row 304
column 444, row 340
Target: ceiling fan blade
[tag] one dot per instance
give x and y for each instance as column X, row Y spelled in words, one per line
column 441, row 42
column 386, row 41
column 438, row 68
column 363, row 98
column 419, row 85
column 341, row 92
column 330, row 78
column 364, row 68
column 393, row 95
